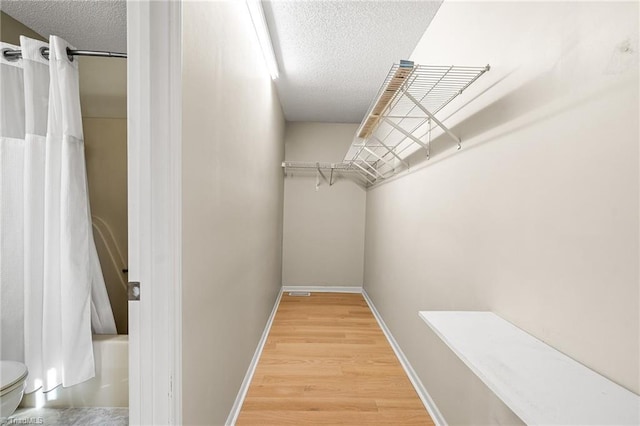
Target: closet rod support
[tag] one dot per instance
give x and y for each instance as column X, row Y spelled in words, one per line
column 391, row 151
column 379, row 158
column 435, row 120
column 322, row 174
column 366, row 171
column 364, row 177
column 406, row 133
column 370, row 166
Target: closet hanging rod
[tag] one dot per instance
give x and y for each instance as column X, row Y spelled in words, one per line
column 13, row 55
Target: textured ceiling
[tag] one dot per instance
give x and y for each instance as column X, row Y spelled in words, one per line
column 333, row 55
column 85, row 24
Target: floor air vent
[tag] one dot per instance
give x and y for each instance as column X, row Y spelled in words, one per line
column 299, row 293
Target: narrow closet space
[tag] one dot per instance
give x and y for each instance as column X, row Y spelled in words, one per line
column 462, row 247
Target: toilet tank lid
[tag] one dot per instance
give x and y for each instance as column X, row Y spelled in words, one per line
column 11, row 372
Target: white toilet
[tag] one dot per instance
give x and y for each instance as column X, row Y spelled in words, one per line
column 13, row 376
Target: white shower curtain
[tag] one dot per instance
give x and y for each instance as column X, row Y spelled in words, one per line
column 36, row 94
column 64, row 293
column 11, row 206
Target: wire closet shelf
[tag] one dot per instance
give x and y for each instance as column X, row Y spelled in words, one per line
column 400, row 120
column 327, row 172
column 403, row 115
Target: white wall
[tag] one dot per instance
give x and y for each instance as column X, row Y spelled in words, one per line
column 536, row 218
column 323, row 240
column 232, row 204
column 103, row 87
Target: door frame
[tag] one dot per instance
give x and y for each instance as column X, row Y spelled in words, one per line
column 154, row 131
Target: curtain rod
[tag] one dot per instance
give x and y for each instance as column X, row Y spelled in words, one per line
column 13, row 55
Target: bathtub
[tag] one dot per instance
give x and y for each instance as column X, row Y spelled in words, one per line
column 109, row 388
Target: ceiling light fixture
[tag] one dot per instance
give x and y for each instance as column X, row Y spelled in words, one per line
column 262, row 33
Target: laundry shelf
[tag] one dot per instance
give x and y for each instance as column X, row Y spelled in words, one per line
column 540, row 384
column 403, row 114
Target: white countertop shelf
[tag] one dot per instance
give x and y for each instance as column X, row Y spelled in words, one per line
column 540, row 384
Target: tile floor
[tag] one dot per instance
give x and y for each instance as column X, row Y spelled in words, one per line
column 69, row 416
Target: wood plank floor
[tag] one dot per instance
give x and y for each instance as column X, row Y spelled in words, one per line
column 326, row 361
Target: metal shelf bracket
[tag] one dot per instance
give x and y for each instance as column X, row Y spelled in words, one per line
column 432, row 117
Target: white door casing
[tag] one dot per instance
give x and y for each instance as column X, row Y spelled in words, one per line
column 154, row 76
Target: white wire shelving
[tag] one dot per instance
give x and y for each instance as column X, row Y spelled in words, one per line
column 402, row 116
column 329, row 172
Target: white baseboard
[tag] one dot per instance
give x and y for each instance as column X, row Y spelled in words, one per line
column 321, row 289
column 242, row 393
column 413, row 376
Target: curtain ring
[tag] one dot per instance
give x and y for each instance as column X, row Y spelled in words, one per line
column 44, row 52
column 10, row 58
column 69, row 55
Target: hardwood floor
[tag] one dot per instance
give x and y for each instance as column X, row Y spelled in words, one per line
column 326, row 361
